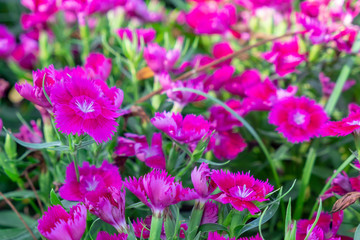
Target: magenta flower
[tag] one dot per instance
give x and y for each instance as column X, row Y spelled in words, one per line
column 220, row 50
column 240, row 190
column 222, row 120
column 203, row 185
column 328, row 86
column 219, row 78
column 7, row 42
column 109, row 205
column 90, row 7
column 80, row 107
column 285, row 56
column 227, row 145
column 106, row 236
column 97, row 66
column 238, row 85
column 327, row 226
column 345, row 39
column 25, row 54
column 216, row 236
column 4, row 85
column 35, row 93
column 91, row 179
column 211, row 18
column 158, row 190
column 30, row 135
column 147, row 34
column 160, row 60
column 210, row 214
column 298, row 118
column 189, row 129
column 342, row 185
column 57, row 224
column 153, row 155
column 138, row 9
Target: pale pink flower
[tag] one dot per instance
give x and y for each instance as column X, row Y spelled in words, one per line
column 160, row 60
column 203, row 185
column 210, row 214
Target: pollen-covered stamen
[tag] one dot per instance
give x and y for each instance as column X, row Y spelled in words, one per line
column 244, row 192
column 85, row 107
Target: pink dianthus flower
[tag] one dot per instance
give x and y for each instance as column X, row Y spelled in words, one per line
column 30, row 135
column 7, row 42
column 106, row 236
column 298, row 118
column 203, row 185
column 240, row 190
column 97, row 66
column 58, row 224
column 227, row 145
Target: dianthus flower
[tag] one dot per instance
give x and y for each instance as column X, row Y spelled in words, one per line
column 328, row 86
column 210, row 214
column 189, row 129
column 141, row 228
column 203, row 185
column 216, row 236
column 227, row 145
column 146, row 34
column 348, row 125
column 219, row 78
column 58, row 224
column 81, row 107
column 153, row 155
column 158, row 190
column 240, row 190
column 97, row 66
column 342, row 184
column 7, row 42
column 285, row 56
column 298, row 118
column 26, row 52
column 109, row 205
column 138, row 9
column 4, row 86
column 91, row 179
column 106, row 236
column 238, row 84
column 91, row 7
column 211, row 18
column 31, row 135
column 160, row 60
column 327, row 227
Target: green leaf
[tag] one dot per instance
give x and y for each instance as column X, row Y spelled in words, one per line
column 21, row 194
column 10, row 219
column 19, row 233
column 54, row 200
column 315, row 222
column 357, row 232
column 201, row 160
column 135, row 205
column 212, row 227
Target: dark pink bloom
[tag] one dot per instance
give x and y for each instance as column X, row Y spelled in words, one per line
column 189, row 129
column 342, row 184
column 328, row 86
column 139, row 10
column 4, row 85
column 80, row 107
column 227, row 145
column 147, row 34
column 327, row 226
column 158, row 190
column 25, row 54
column 153, row 155
column 240, row 190
column 345, row 39
column 285, row 56
column 97, row 66
column 92, row 179
column 238, row 85
column 106, row 236
column 30, row 135
column 160, row 60
column 219, row 78
column 35, row 93
column 90, row 7
column 7, row 42
column 210, row 214
column 216, row 236
column 57, row 224
column 220, row 50
column 211, row 18
column 203, row 185
column 40, row 13
column 109, row 205
column 298, row 118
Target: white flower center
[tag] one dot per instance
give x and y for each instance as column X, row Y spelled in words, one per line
column 244, row 192
column 85, row 107
column 355, row 122
column 91, row 185
column 299, row 118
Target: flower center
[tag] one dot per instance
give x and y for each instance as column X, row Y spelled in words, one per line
column 85, row 106
column 355, row 122
column 244, row 192
column 299, row 118
column 91, row 184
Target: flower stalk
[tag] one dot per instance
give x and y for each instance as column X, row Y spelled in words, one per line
column 156, row 226
column 195, row 219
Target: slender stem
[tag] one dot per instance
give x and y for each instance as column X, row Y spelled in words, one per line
column 84, row 34
column 18, row 214
column 156, row 226
column 186, row 168
column 73, row 157
column 34, row 190
column 195, row 219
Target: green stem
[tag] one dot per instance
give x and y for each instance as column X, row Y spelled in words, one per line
column 305, row 179
column 156, row 226
column 185, row 169
column 84, row 34
column 73, row 158
column 195, row 220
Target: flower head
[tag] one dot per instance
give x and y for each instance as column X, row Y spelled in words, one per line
column 98, row 66
column 58, row 224
column 106, row 236
column 237, row 85
column 203, row 185
column 7, row 42
column 146, row 34
column 109, row 205
column 285, row 56
column 342, row 184
column 160, row 60
column 31, row 135
column 158, row 190
column 189, row 129
column 240, row 190
column 81, row 107
column 298, row 118
column 26, row 52
column 211, row 212
column 227, row 145
column 91, row 179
